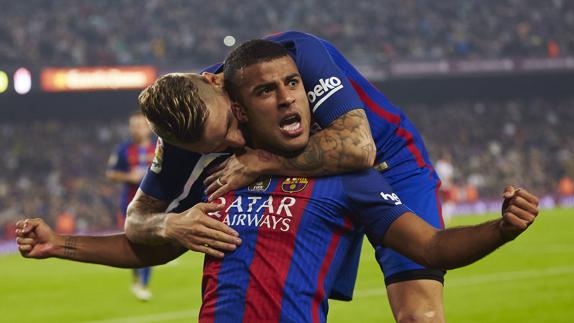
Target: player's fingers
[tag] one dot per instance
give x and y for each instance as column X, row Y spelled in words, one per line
column 521, row 214
column 25, row 241
column 19, row 228
column 514, row 221
column 212, row 187
column 209, row 207
column 218, row 239
column 206, row 249
column 218, row 168
column 23, row 234
column 525, row 205
column 221, row 191
column 31, row 224
column 211, row 178
column 24, row 249
column 224, row 232
column 216, row 243
column 528, row 196
column 509, row 191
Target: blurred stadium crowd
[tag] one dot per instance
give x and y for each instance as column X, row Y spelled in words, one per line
column 56, row 169
column 173, row 32
column 477, row 146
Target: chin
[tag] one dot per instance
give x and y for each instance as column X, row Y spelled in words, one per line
column 296, row 145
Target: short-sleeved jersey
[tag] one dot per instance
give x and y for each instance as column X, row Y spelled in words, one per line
column 295, row 235
column 127, row 157
column 334, row 87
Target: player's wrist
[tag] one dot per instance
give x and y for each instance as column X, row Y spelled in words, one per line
column 166, row 231
column 504, row 233
column 56, row 247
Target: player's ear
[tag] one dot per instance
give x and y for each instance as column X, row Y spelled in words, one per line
column 213, row 79
column 239, row 112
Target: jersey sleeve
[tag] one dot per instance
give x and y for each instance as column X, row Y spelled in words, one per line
column 118, row 160
column 329, row 91
column 169, row 171
column 373, row 203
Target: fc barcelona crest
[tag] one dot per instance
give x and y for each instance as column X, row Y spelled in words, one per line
column 294, row 184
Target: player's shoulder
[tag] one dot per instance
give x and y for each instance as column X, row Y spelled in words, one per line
column 166, row 148
column 365, row 180
column 361, row 174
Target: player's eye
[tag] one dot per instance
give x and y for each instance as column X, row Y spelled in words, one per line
column 264, row 91
column 293, row 82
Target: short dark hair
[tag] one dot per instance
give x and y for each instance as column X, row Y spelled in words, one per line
column 173, row 106
column 249, row 53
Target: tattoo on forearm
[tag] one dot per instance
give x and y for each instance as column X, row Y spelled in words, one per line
column 312, row 158
column 70, row 247
column 344, row 146
column 265, row 156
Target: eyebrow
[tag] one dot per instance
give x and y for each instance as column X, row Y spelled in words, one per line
column 292, row 75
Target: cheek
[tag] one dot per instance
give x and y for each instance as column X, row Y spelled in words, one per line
column 260, row 117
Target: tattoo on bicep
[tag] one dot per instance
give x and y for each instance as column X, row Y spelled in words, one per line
column 357, row 133
column 70, row 247
column 347, row 142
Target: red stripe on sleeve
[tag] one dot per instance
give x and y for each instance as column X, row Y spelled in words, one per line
column 392, row 118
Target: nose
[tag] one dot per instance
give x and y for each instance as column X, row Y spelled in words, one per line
column 285, row 97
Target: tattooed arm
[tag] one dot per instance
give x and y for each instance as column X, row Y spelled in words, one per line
column 37, row 240
column 145, row 221
column 346, row 145
column 148, row 223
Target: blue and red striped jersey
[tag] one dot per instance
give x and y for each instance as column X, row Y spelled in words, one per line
column 334, row 87
column 130, row 156
column 296, row 233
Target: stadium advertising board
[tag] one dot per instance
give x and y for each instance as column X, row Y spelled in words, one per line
column 96, row 78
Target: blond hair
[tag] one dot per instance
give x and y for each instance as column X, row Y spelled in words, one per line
column 174, row 107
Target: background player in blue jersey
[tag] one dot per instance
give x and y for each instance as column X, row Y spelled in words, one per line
column 128, row 165
column 350, row 110
column 296, row 230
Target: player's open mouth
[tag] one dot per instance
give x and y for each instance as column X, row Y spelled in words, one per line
column 291, row 125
